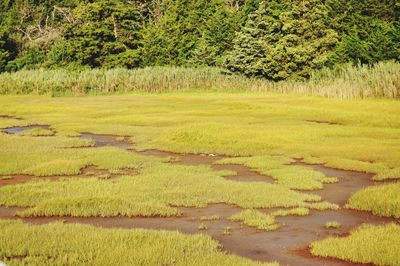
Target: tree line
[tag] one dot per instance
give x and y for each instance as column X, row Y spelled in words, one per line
column 274, row 39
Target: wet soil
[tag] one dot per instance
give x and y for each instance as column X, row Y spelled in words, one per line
column 288, row 245
column 19, row 179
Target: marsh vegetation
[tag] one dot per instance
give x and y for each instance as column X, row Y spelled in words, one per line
column 169, row 162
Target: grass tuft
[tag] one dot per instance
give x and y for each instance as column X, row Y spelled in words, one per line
column 379, row 245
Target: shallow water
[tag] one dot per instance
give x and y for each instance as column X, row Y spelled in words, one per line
column 15, row 130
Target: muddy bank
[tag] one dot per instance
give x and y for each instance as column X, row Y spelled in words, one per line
column 20, row 178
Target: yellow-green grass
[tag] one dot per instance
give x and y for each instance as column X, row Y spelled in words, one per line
column 210, row 218
column 277, row 167
column 379, row 245
column 263, row 221
column 366, row 139
column 332, row 225
column 266, row 131
column 154, row 191
column 75, row 244
column 36, row 132
column 382, row 200
column 54, row 156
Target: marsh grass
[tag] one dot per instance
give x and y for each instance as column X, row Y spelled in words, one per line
column 265, row 131
column 202, row 227
column 150, row 193
column 332, row 225
column 36, row 132
column 76, row 244
column 210, row 218
column 277, row 167
column 263, row 221
column 381, row 80
column 379, row 245
column 382, row 200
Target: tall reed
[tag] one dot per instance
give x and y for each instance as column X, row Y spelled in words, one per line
column 380, row 81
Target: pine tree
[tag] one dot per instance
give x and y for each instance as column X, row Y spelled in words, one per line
column 284, row 39
column 103, row 33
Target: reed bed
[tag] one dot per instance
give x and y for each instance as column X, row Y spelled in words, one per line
column 345, row 82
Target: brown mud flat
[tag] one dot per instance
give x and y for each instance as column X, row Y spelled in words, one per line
column 21, row 178
column 288, row 245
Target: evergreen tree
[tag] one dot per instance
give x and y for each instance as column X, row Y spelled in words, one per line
column 102, row 33
column 172, row 38
column 216, row 38
column 284, row 39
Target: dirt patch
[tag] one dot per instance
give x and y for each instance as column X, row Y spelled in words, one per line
column 20, row 178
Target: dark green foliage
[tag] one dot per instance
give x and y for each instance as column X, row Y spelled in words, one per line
column 216, row 38
column 29, row 60
column 5, row 49
column 274, row 39
column 380, row 42
column 171, row 38
column 102, row 33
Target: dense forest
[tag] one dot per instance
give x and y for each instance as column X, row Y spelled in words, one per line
column 274, row 39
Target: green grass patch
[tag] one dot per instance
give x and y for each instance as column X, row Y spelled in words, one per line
column 379, row 245
column 75, row 244
column 263, row 221
column 382, row 200
column 332, row 225
column 36, row 132
column 277, row 167
column 152, row 192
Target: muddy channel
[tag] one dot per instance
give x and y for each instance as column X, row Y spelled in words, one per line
column 288, row 245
